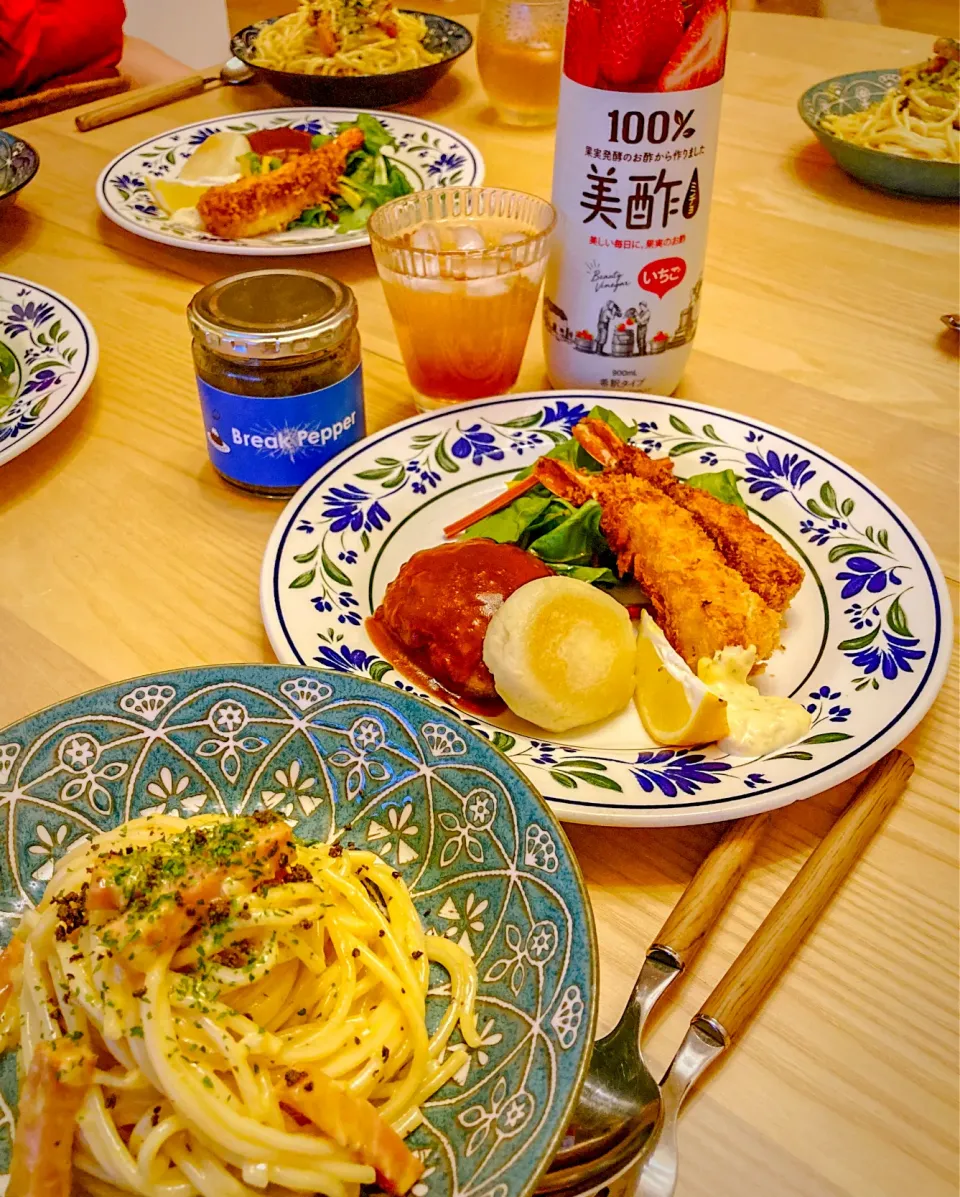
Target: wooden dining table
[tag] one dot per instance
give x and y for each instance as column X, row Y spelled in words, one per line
column 122, row 553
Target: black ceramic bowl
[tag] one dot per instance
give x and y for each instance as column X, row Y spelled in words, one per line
column 19, row 162
column 364, row 91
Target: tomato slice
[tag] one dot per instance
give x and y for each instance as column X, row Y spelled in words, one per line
column 269, row 141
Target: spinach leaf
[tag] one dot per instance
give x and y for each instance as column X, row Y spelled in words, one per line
column 576, row 540
column 508, row 525
column 722, row 484
column 594, row 575
column 568, row 451
column 319, row 139
column 8, row 363
column 623, row 431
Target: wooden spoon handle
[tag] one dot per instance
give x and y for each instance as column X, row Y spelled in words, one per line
column 751, row 975
column 690, row 920
column 141, row 100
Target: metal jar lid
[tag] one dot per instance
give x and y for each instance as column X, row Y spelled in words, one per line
column 270, row 314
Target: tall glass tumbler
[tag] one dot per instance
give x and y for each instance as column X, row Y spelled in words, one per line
column 519, row 47
column 461, row 269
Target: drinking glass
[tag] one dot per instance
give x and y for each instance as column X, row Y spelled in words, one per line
column 461, row 269
column 519, row 49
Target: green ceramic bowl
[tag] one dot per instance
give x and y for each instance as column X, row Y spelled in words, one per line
column 888, row 172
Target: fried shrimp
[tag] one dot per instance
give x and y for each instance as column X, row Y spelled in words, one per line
column 759, row 559
column 699, row 601
column 267, row 203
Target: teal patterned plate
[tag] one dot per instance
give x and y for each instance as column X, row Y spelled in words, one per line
column 428, row 154
column 866, row 641
column 889, row 172
column 339, row 755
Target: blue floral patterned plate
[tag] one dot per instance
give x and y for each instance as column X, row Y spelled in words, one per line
column 428, row 154
column 48, row 357
column 866, row 641
column 339, row 755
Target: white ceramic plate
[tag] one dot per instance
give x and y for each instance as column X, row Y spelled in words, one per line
column 866, row 641
column 428, row 154
column 48, row 357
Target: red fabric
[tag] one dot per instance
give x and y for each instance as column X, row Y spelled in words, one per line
column 50, row 42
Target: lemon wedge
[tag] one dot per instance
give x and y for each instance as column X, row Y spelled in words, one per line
column 216, row 158
column 561, row 653
column 174, row 194
column 675, row 706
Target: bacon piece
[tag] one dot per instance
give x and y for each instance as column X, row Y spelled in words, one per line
column 10, row 958
column 178, row 904
column 57, row 1081
column 353, row 1123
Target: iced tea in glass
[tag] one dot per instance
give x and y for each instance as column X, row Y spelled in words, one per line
column 519, row 48
column 461, row 269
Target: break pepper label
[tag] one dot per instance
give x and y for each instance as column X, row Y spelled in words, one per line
column 636, row 148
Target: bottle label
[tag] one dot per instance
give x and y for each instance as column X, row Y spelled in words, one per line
column 632, row 183
column 276, row 444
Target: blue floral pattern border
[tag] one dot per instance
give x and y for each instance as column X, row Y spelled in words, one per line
column 428, row 154
column 47, row 353
column 883, row 592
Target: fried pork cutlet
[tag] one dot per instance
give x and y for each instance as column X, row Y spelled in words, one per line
column 746, row 547
column 701, row 604
column 267, row 203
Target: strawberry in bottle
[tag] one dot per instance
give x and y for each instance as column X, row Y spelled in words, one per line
column 581, row 57
column 637, row 39
column 635, row 154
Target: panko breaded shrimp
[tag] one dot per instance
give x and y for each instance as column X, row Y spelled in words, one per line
column 700, row 603
column 267, row 203
column 746, row 547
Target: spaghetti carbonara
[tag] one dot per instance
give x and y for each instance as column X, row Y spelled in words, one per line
column 919, row 119
column 224, row 1011
column 344, row 37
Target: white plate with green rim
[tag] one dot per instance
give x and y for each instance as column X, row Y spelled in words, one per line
column 429, row 155
column 48, row 357
column 866, row 640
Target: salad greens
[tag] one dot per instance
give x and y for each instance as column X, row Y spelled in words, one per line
column 369, row 180
column 8, row 377
column 568, row 538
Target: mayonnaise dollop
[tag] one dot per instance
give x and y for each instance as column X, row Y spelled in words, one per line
column 757, row 723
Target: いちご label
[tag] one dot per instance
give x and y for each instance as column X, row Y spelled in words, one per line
column 277, row 444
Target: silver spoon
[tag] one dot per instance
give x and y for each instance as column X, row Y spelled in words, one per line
column 652, row 1170
column 619, row 1099
column 144, row 99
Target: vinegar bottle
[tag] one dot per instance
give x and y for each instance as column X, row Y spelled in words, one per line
column 635, row 153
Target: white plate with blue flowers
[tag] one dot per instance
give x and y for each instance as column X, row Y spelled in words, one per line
column 866, row 640
column 48, row 357
column 429, row 155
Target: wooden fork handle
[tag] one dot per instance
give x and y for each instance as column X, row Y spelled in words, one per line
column 751, row 975
column 687, row 925
column 141, row 100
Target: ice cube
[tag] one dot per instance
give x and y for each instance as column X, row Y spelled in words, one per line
column 464, row 237
column 426, row 236
column 513, row 239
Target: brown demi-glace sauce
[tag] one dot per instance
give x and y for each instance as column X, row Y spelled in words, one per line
column 435, row 613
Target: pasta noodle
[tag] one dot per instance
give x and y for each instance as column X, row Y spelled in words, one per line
column 919, row 119
column 256, row 1009
column 344, row 37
